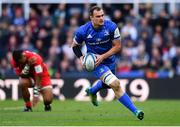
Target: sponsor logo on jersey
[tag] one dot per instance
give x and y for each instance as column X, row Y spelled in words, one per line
column 98, row 39
column 38, row 69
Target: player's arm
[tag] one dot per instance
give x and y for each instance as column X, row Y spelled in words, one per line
column 36, row 63
column 38, row 74
column 77, row 41
column 77, row 50
column 38, row 80
column 116, row 47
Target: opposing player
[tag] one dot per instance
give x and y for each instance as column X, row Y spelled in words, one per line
column 32, row 72
column 102, row 38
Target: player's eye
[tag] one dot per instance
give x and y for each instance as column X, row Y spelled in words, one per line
column 99, row 16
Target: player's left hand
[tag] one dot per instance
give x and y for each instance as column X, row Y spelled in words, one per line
column 82, row 61
column 99, row 59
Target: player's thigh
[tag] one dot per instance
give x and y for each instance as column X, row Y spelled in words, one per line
column 26, row 82
column 104, row 73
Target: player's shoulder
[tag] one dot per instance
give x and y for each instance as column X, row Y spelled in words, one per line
column 109, row 23
column 33, row 57
column 85, row 27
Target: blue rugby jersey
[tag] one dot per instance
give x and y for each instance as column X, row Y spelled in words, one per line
column 98, row 41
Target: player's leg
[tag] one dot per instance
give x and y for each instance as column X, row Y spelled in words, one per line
column 97, row 86
column 46, row 91
column 47, row 97
column 91, row 91
column 26, row 83
column 110, row 79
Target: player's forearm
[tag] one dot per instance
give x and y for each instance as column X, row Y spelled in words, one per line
column 112, row 51
column 38, row 80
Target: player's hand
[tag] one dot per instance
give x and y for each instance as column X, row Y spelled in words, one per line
column 99, row 59
column 25, row 70
column 82, row 61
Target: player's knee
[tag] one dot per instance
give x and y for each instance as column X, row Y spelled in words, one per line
column 116, row 85
column 109, row 78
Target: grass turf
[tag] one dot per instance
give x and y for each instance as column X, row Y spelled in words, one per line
column 69, row 112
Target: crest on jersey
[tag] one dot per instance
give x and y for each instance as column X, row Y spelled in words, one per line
column 106, row 33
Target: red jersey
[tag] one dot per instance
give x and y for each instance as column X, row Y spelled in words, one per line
column 37, row 67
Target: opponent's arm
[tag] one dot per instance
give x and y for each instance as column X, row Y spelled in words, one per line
column 116, row 48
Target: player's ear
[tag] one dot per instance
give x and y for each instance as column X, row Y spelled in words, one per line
column 90, row 17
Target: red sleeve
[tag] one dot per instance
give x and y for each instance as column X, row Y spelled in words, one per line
column 36, row 62
column 15, row 67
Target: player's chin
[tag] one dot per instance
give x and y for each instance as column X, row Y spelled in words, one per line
column 101, row 23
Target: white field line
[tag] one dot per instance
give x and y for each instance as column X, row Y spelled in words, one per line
column 11, row 108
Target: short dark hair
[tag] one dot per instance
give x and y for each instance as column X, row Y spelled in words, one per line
column 17, row 55
column 94, row 8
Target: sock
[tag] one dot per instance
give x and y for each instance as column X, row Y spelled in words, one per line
column 28, row 104
column 96, row 87
column 126, row 101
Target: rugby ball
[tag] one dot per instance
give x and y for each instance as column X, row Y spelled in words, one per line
column 89, row 61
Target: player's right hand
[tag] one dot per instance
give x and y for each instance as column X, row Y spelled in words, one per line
column 99, row 59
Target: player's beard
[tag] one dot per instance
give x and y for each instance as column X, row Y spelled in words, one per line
column 101, row 23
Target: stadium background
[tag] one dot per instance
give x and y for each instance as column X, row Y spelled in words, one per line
column 148, row 65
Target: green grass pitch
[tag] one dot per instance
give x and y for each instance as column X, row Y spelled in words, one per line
column 69, row 112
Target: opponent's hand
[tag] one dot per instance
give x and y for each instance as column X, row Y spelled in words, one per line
column 99, row 59
column 25, row 70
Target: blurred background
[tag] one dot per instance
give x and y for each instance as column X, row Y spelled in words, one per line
column 150, row 36
column 148, row 65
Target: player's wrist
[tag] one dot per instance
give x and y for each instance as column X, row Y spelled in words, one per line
column 36, row 91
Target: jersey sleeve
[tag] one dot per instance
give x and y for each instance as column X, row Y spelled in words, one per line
column 38, row 65
column 78, row 38
column 115, row 31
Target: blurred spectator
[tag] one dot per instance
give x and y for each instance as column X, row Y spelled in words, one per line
column 141, row 60
column 129, row 30
column 150, row 40
column 19, row 19
column 26, row 44
column 60, row 12
column 4, row 68
column 33, row 21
